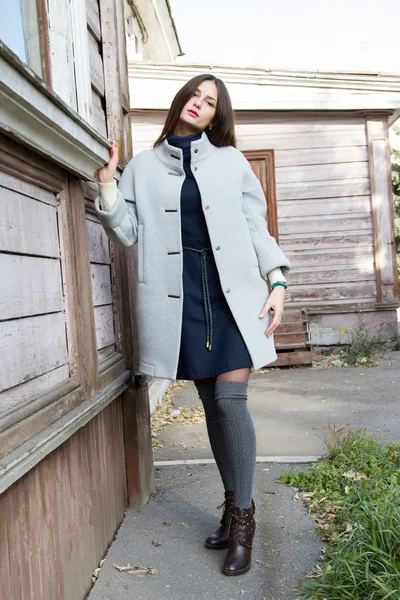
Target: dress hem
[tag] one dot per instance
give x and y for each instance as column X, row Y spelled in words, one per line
column 219, row 371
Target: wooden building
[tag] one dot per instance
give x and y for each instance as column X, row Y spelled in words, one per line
column 75, row 442
column 318, row 142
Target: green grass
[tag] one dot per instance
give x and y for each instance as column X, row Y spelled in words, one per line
column 354, row 495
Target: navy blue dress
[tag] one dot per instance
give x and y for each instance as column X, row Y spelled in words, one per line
column 211, row 342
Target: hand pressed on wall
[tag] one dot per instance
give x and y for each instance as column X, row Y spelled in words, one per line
column 275, row 303
column 106, row 174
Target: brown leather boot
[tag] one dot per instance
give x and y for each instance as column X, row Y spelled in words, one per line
column 219, row 539
column 241, row 534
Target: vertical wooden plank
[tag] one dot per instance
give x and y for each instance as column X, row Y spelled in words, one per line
column 382, row 209
column 116, row 76
column 135, row 400
column 77, row 279
column 136, row 413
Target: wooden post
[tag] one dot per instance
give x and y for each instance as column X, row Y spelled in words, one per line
column 135, row 400
column 382, row 208
column 136, row 411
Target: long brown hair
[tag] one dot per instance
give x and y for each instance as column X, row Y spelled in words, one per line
column 223, row 130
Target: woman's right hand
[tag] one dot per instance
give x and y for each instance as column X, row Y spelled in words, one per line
column 106, row 174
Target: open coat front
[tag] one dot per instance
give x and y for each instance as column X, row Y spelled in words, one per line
column 147, row 211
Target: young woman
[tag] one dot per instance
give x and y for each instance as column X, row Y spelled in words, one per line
column 197, row 212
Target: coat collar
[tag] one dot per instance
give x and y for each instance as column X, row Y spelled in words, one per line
column 173, row 156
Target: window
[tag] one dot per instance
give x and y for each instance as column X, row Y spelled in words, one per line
column 19, row 30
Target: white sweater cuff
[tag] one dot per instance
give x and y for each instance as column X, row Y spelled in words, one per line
column 108, row 195
column 276, row 275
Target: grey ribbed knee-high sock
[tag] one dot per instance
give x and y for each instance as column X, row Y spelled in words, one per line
column 239, row 437
column 206, row 391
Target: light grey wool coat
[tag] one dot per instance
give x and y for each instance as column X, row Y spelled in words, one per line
column 147, row 212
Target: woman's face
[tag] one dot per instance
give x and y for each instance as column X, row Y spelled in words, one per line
column 200, row 109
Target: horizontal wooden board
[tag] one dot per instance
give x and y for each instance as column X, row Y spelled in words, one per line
column 341, row 276
column 331, row 188
column 290, row 339
column 326, row 172
column 292, row 315
column 300, row 120
column 328, row 223
column 96, row 65
column 329, row 292
column 349, row 239
column 290, row 328
column 30, row 347
column 106, row 352
column 26, row 391
column 316, row 156
column 361, row 256
column 301, row 126
column 287, row 359
column 30, row 286
column 27, row 226
column 288, row 141
column 101, row 284
column 104, row 322
column 322, row 206
column 99, row 246
column 25, row 188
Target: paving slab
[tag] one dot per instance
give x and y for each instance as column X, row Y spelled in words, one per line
column 291, row 408
column 286, row 544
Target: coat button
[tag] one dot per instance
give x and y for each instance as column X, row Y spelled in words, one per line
column 196, row 151
column 217, row 248
column 194, row 168
column 227, row 290
column 206, row 207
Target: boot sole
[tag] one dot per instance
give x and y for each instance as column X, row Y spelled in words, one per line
column 233, row 573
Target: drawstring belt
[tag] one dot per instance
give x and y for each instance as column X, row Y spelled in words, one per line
column 206, row 294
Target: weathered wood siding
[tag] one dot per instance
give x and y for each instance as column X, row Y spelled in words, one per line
column 96, row 66
column 323, row 199
column 33, row 338
column 324, row 203
column 101, row 279
column 57, row 522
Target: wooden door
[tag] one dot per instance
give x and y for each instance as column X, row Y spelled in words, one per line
column 290, row 337
column 263, row 164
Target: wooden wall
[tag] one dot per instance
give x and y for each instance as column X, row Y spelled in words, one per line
column 57, row 521
column 33, row 337
column 333, row 204
column 324, row 203
column 323, row 195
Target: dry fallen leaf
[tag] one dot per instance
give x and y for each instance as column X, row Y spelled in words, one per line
column 141, row 570
column 163, row 413
column 185, row 525
column 156, row 543
column 166, row 523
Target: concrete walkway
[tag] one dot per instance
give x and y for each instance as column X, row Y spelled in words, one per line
column 290, row 409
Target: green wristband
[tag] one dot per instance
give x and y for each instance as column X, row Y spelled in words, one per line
column 274, row 285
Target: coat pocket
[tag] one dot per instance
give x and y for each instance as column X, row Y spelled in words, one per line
column 140, row 254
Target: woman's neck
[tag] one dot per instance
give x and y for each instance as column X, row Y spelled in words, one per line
column 183, row 129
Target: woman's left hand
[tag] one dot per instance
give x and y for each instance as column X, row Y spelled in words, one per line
column 275, row 302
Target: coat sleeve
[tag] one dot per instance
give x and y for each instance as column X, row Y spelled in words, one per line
column 121, row 222
column 269, row 254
